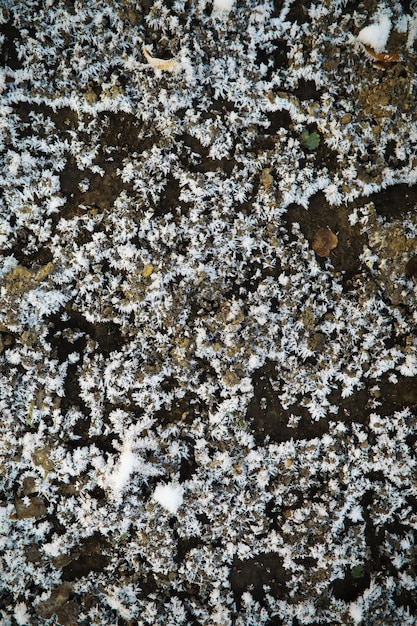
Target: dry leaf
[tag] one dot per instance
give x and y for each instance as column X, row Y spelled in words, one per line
column 267, row 178
column 147, row 270
column 324, row 241
column 166, row 65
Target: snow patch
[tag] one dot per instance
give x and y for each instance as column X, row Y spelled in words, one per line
column 169, row 496
column 376, row 35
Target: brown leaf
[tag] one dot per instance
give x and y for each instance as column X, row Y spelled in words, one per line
column 324, row 241
column 36, row 508
column 58, row 597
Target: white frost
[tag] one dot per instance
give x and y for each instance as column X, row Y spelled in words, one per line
column 355, row 612
column 20, row 614
column 121, row 475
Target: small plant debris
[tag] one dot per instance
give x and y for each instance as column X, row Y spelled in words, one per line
column 324, row 242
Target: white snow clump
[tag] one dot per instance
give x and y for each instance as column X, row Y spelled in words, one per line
column 223, row 5
column 169, row 496
column 376, row 35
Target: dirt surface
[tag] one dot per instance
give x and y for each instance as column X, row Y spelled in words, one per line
column 156, row 310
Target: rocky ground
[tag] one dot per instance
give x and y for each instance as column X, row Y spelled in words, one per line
column 208, row 350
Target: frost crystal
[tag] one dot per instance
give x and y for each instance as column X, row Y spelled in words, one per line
column 207, row 414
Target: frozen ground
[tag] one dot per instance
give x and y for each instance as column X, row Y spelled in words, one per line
column 203, row 421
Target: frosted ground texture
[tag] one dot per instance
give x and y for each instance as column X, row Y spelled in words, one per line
column 202, row 422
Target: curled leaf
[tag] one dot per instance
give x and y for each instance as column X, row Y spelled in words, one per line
column 324, row 241
column 166, row 65
column 382, row 60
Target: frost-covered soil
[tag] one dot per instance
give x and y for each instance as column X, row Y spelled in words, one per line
column 203, row 421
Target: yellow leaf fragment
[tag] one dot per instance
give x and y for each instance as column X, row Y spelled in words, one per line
column 166, row 65
column 147, row 270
